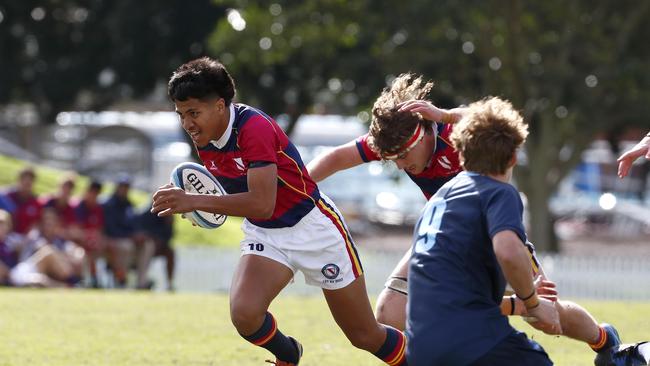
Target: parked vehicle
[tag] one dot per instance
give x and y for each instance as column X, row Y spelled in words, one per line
column 373, row 193
column 146, row 145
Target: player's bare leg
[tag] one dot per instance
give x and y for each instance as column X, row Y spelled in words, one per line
column 577, row 323
column 351, row 310
column 391, row 303
column 256, row 282
column 52, row 263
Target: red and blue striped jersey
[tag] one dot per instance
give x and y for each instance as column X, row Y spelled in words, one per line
column 254, row 139
column 443, row 166
column 27, row 211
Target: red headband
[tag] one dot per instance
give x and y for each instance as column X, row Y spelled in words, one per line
column 408, row 145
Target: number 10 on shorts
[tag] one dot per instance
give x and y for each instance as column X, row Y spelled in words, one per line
column 259, row 247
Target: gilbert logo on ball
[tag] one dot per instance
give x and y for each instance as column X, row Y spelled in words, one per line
column 195, row 178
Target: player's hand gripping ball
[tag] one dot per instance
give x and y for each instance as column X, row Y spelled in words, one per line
column 195, row 178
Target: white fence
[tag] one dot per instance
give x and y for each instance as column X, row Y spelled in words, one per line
column 612, row 278
column 600, row 277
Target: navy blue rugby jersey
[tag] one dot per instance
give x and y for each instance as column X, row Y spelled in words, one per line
column 455, row 282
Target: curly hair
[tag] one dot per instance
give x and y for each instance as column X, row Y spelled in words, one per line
column 488, row 135
column 201, row 78
column 390, row 129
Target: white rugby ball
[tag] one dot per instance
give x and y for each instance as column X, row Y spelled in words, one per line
column 195, row 178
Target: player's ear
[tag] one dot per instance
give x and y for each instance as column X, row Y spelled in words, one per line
column 513, row 160
column 221, row 104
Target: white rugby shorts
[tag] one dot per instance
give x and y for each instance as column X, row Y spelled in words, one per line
column 319, row 245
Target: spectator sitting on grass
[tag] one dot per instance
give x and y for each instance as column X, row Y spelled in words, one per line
column 90, row 225
column 62, row 205
column 123, row 243
column 36, row 263
column 160, row 229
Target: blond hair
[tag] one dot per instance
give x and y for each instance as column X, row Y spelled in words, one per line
column 488, row 136
column 390, row 128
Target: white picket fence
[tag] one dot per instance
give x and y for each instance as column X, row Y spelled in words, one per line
column 611, row 278
column 600, row 277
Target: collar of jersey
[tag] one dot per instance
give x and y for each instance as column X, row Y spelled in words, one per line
column 221, row 142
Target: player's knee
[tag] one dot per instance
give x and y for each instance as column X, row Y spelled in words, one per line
column 391, row 309
column 381, row 314
column 246, row 318
column 365, row 340
column 385, row 316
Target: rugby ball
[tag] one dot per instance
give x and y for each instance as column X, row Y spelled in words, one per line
column 195, row 178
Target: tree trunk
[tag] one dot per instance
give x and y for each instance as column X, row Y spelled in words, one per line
column 537, row 181
column 541, row 230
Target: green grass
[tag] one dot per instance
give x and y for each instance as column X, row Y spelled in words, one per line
column 68, row 327
column 47, row 182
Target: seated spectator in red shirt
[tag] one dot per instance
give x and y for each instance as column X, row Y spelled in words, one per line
column 90, row 225
column 27, row 209
column 62, row 204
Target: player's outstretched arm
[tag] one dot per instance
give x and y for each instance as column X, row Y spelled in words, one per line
column 340, row 158
column 431, row 112
column 515, row 263
column 642, row 148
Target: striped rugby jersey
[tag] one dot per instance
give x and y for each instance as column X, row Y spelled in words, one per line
column 444, row 163
column 254, row 139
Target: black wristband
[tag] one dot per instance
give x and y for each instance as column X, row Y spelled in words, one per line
column 512, row 304
column 527, row 297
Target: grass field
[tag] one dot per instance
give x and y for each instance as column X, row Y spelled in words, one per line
column 81, row 327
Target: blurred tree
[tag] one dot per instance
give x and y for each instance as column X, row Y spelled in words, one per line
column 291, row 57
column 574, row 69
column 87, row 54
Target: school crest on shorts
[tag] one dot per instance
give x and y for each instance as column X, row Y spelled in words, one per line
column 330, row 271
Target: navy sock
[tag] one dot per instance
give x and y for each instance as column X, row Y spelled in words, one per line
column 270, row 337
column 608, row 337
column 393, row 351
